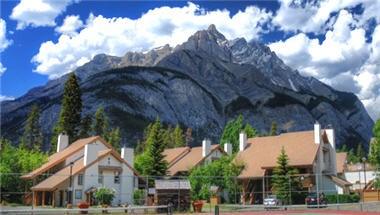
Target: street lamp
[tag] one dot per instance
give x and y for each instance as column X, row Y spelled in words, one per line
column 365, row 177
column 71, row 182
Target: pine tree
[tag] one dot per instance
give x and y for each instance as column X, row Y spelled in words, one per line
column 374, row 150
column 70, row 116
column 189, row 136
column 273, row 129
column 360, row 152
column 85, row 129
column 100, row 126
column 250, row 131
column 283, row 182
column 114, row 138
column 32, row 137
column 232, row 130
column 178, row 137
column 167, row 135
column 156, row 166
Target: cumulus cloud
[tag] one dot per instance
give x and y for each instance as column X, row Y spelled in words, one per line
column 342, row 49
column 314, row 16
column 116, row 36
column 70, row 25
column 4, row 42
column 36, row 13
column 344, row 59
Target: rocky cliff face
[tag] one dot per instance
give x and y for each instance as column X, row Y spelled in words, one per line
column 201, row 84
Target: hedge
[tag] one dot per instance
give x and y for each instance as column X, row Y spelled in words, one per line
column 342, row 198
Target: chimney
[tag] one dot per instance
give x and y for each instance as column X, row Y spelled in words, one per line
column 331, row 136
column 127, row 154
column 206, row 147
column 63, row 141
column 317, row 133
column 242, row 141
column 90, row 153
column 228, row 148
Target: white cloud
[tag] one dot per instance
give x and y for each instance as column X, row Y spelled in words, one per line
column 159, row 26
column 6, row 98
column 70, row 25
column 343, row 59
column 342, row 49
column 4, row 42
column 38, row 13
column 314, row 16
column 2, row 69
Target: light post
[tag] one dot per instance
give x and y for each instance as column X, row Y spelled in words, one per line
column 365, row 175
column 71, row 183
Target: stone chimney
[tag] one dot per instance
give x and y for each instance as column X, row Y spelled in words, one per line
column 206, row 147
column 317, row 133
column 242, row 141
column 63, row 141
column 127, row 154
column 90, row 153
column 228, row 148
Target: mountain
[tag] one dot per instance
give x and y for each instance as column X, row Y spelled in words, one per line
column 201, row 84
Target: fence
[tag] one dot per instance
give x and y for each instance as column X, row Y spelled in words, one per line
column 229, row 193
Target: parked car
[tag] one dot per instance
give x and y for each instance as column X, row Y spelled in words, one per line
column 313, row 200
column 271, row 202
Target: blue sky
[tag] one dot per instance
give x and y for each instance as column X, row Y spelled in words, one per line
column 337, row 43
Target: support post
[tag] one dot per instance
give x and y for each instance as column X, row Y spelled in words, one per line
column 43, row 198
column 53, row 199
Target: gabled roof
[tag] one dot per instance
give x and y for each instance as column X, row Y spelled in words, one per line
column 262, row 152
column 76, row 146
column 341, row 158
column 52, row 182
column 61, row 156
column 184, row 158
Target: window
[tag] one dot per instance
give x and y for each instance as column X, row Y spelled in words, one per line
column 100, row 178
column 78, row 194
column 109, row 160
column 80, row 179
column 116, row 178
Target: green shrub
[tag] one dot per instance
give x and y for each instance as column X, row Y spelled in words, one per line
column 104, row 195
column 138, row 197
column 342, row 198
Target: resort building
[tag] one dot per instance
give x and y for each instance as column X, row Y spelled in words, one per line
column 182, row 159
column 73, row 173
column 312, row 153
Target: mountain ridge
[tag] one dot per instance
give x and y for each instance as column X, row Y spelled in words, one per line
column 228, row 77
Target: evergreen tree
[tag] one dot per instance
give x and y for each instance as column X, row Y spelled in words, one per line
column 100, row 126
column 70, row 116
column 189, row 136
column 374, row 150
column 360, row 153
column 151, row 162
column 155, row 149
column 273, row 129
column 141, row 145
column 250, row 131
column 167, row 135
column 232, row 130
column 32, row 137
column 283, row 182
column 178, row 137
column 114, row 138
column 85, row 129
